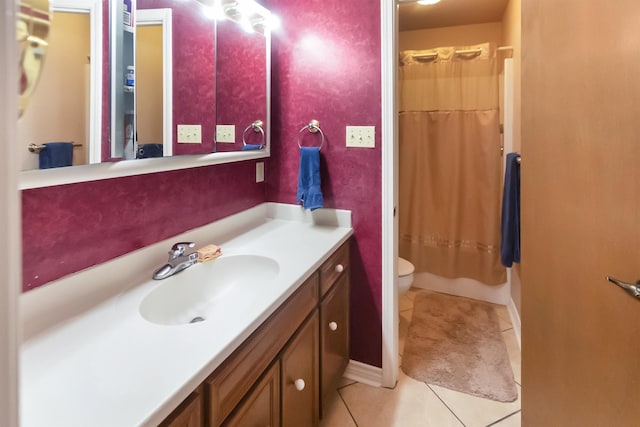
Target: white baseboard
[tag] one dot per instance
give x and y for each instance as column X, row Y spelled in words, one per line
column 515, row 321
column 363, row 373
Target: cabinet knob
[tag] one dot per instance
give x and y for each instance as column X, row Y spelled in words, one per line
column 333, row 326
column 339, row 268
column 299, row 383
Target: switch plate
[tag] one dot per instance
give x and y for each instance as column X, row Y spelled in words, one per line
column 260, row 172
column 190, row 134
column 361, row 136
column 226, row 133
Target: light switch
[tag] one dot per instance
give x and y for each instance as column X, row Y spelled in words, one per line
column 226, row 133
column 361, row 136
column 190, row 134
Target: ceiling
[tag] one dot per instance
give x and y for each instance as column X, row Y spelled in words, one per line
column 413, row 16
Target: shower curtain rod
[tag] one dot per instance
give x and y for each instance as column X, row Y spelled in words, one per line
column 431, row 55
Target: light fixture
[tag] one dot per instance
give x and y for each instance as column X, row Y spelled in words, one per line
column 428, row 2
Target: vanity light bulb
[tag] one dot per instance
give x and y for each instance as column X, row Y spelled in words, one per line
column 273, row 22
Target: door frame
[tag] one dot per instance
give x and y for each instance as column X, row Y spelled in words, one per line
column 94, row 9
column 162, row 17
column 389, row 141
column 10, row 223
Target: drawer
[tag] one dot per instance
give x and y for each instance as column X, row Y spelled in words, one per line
column 336, row 266
column 233, row 379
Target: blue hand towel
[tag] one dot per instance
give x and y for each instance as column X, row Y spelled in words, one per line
column 248, row 147
column 309, row 192
column 510, row 244
column 56, row 155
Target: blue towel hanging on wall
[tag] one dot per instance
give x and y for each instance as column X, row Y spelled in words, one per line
column 56, row 155
column 510, row 243
column 309, row 192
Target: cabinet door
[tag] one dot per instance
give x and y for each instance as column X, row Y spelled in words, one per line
column 188, row 414
column 300, row 400
column 261, row 407
column 334, row 336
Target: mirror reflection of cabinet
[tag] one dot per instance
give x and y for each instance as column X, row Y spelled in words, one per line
column 123, row 124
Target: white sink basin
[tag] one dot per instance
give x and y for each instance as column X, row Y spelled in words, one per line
column 191, row 295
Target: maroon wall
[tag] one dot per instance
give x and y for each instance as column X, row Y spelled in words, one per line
column 68, row 228
column 327, row 66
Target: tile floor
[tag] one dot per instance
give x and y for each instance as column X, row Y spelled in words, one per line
column 416, row 404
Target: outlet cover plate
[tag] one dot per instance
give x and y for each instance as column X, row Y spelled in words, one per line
column 226, row 133
column 361, row 136
column 260, row 172
column 190, row 134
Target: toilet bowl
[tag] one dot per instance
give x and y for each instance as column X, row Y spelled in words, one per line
column 405, row 275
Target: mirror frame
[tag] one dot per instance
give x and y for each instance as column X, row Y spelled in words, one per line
column 39, row 178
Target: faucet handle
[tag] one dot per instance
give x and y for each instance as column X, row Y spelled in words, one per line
column 178, row 248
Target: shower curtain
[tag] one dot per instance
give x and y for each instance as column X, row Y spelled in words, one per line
column 450, row 162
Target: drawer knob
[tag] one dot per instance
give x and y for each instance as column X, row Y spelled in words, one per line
column 333, row 326
column 299, row 383
column 339, row 268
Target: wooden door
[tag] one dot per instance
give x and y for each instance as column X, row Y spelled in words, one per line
column 300, row 383
column 261, row 407
column 334, row 338
column 188, row 414
column 580, row 212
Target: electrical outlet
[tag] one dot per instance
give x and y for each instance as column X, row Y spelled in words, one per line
column 190, row 134
column 226, row 133
column 361, row 136
column 260, row 172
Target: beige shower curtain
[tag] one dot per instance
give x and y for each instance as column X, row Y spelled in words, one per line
column 450, row 163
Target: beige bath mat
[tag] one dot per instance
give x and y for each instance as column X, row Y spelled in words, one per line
column 456, row 343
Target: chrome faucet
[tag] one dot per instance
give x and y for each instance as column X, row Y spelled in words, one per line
column 178, row 260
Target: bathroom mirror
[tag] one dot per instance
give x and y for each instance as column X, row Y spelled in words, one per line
column 195, row 91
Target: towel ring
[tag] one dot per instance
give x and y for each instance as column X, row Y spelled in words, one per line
column 313, row 127
column 257, row 126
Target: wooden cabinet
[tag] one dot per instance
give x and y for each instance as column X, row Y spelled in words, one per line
column 300, row 400
column 261, row 407
column 233, row 379
column 280, row 374
column 334, row 336
column 188, row 414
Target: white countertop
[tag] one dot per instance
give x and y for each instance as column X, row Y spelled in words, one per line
column 107, row 366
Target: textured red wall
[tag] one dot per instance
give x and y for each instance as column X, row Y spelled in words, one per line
column 327, row 66
column 68, row 228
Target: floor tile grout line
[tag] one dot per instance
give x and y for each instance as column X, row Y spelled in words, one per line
column 445, row 404
column 347, row 406
column 504, row 418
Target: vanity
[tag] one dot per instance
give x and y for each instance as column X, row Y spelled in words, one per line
column 267, row 350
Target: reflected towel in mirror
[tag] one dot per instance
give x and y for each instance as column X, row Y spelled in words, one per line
column 248, row 147
column 56, row 155
column 146, row 151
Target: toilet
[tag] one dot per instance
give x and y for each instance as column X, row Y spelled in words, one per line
column 405, row 275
